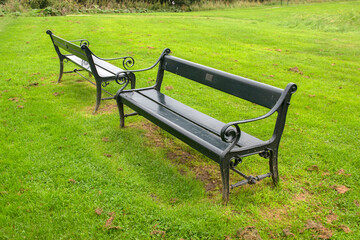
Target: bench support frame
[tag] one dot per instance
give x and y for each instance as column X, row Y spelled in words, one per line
column 275, row 99
column 83, row 52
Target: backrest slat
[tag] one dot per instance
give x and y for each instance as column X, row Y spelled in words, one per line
column 69, row 47
column 250, row 90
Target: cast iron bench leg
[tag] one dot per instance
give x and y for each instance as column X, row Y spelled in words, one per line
column 61, row 70
column 121, row 105
column 98, row 96
column 273, row 162
column 225, row 177
column 121, row 112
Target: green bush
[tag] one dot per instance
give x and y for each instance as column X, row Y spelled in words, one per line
column 39, row 4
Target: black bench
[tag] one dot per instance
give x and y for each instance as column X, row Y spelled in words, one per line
column 224, row 143
column 82, row 56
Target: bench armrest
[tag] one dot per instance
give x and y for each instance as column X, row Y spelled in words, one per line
column 128, row 61
column 123, row 76
column 165, row 52
column 82, row 41
column 228, row 133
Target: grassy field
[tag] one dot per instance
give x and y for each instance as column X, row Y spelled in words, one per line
column 68, row 174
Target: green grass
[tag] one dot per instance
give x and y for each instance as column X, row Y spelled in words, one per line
column 54, row 172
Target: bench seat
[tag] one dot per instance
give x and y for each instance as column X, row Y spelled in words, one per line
column 199, row 130
column 104, row 69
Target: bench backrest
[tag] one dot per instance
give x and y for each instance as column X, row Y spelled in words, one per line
column 69, row 47
column 256, row 92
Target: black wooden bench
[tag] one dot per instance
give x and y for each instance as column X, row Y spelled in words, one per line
column 224, row 143
column 100, row 68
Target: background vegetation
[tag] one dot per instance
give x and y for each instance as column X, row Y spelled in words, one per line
column 63, row 7
column 68, row 174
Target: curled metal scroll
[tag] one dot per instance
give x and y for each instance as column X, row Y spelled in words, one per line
column 128, row 62
column 84, row 42
column 104, row 84
column 230, row 133
column 122, row 78
column 165, row 52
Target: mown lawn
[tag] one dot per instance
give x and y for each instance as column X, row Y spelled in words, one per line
column 68, row 174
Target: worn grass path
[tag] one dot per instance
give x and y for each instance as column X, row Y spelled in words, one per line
column 68, row 174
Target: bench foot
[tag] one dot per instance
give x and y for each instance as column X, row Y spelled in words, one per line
column 225, row 177
column 121, row 113
column 61, row 71
column 273, row 162
column 98, row 96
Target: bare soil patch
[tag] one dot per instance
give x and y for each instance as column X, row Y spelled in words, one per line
column 184, row 160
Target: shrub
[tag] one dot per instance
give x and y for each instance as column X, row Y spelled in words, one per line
column 39, row 4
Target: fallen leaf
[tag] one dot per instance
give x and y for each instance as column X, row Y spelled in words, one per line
column 288, row 233
column 20, row 106
column 8, row 79
column 342, row 172
column 57, row 93
column 278, row 50
column 98, row 211
column 120, row 169
column 107, row 155
column 325, row 174
column 14, row 99
column 356, row 202
column 333, row 64
column 341, row 189
column 72, row 180
column 34, row 84
column 110, row 220
column 296, row 69
column 345, row 228
column 313, row 168
column 114, row 227
column 155, row 232
column 169, row 88
column 174, row 200
column 105, row 139
column 150, row 47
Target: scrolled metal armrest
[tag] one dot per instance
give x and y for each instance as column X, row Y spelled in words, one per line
column 165, row 52
column 82, row 42
column 128, row 61
column 290, row 88
column 226, row 130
